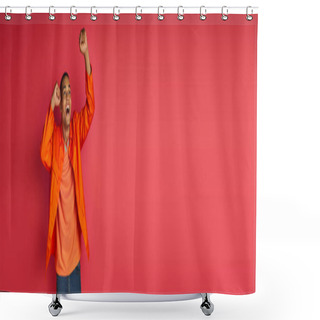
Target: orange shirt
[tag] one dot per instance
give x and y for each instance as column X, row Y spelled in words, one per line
column 52, row 157
column 68, row 231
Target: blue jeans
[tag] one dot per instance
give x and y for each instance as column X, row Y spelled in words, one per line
column 70, row 283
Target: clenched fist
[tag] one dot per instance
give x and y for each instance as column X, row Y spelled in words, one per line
column 56, row 97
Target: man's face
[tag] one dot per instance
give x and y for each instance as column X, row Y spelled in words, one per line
column 65, row 104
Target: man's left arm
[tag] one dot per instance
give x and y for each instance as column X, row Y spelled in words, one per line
column 87, row 112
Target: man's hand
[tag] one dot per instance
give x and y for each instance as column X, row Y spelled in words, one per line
column 83, row 44
column 56, row 97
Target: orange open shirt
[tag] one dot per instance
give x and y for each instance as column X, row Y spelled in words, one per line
column 52, row 157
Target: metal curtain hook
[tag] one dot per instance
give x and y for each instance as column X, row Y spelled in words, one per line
column 224, row 16
column 138, row 17
column 28, row 16
column 160, row 17
column 116, row 17
column 93, row 17
column 180, row 16
column 7, row 17
column 203, row 16
column 248, row 17
column 73, row 16
column 51, row 16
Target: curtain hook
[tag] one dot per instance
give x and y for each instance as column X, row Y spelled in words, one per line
column 224, row 17
column 116, row 17
column 138, row 17
column 51, row 16
column 203, row 16
column 7, row 17
column 249, row 18
column 160, row 17
column 180, row 16
column 28, row 16
column 93, row 17
column 73, row 16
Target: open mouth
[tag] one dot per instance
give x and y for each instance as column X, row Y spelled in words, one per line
column 67, row 110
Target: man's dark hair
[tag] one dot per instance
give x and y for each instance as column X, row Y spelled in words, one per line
column 64, row 75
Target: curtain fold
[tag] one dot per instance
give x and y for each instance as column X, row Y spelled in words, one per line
column 169, row 164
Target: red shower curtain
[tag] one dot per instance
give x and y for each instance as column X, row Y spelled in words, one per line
column 169, row 164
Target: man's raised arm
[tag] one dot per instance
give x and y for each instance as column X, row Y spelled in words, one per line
column 83, row 45
column 46, row 141
column 86, row 114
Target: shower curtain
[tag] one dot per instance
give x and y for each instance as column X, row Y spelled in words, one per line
column 169, row 163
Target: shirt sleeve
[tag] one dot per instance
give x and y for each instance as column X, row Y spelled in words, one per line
column 87, row 112
column 46, row 141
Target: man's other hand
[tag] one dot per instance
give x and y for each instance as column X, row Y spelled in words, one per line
column 56, row 97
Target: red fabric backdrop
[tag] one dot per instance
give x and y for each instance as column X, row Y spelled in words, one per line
column 169, row 164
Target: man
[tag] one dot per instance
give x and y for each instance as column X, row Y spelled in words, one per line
column 60, row 154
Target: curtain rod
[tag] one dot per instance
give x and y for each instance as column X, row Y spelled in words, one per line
column 119, row 9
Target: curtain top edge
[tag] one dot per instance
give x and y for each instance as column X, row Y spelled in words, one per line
column 129, row 19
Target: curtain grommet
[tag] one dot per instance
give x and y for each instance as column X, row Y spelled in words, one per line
column 6, row 16
column 93, row 17
column 224, row 16
column 73, row 16
column 116, row 17
column 28, row 15
column 248, row 16
column 51, row 16
column 138, row 17
column 203, row 16
column 180, row 15
column 160, row 16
